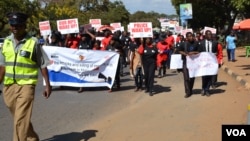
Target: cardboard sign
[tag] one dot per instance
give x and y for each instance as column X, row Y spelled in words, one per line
column 184, row 31
column 85, row 27
column 117, row 26
column 202, row 64
column 96, row 23
column 44, row 27
column 176, row 62
column 68, row 26
column 141, row 29
column 213, row 30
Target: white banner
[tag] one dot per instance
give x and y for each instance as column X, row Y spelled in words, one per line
column 68, row 26
column 202, row 64
column 81, row 68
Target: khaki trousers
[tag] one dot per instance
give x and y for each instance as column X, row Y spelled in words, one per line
column 19, row 99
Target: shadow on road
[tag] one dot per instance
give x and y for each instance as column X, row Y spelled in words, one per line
column 74, row 136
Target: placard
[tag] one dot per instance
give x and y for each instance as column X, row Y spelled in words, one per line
column 68, row 26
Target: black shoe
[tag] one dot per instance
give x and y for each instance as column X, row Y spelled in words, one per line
column 151, row 93
column 146, row 91
column 203, row 93
column 187, row 95
column 213, row 86
column 159, row 76
column 80, row 90
column 207, row 93
column 137, row 89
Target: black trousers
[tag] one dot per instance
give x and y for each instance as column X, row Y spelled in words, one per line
column 188, row 82
column 139, row 78
column 149, row 74
column 206, row 82
column 162, row 69
column 117, row 74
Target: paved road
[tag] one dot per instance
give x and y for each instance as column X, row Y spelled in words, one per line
column 66, row 113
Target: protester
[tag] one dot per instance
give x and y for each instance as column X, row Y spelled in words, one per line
column 178, row 43
column 171, row 43
column 162, row 56
column 97, row 45
column 86, row 42
column 105, row 41
column 219, row 56
column 20, row 59
column 187, row 48
column 55, row 40
column 125, row 40
column 221, row 39
column 199, row 37
column 211, row 46
column 114, row 45
column 178, row 37
column 123, row 63
column 231, row 45
column 72, row 41
column 136, row 64
column 155, row 37
column 149, row 54
column 41, row 40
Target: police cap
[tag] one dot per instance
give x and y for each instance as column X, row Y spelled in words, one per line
column 17, row 18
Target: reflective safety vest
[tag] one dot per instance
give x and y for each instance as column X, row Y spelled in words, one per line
column 19, row 67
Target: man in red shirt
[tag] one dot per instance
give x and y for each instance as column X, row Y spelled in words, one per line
column 72, row 41
column 162, row 56
column 171, row 43
column 105, row 41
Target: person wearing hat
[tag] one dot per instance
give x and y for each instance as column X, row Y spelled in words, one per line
column 20, row 59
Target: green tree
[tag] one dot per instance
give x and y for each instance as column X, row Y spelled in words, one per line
column 215, row 13
column 141, row 16
column 18, row 5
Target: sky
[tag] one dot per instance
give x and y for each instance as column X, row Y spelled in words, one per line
column 159, row 6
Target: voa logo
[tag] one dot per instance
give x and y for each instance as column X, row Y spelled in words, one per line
column 236, row 132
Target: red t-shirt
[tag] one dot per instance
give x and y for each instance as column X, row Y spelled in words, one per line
column 105, row 42
column 73, row 42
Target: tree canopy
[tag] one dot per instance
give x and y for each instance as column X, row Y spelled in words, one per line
column 213, row 13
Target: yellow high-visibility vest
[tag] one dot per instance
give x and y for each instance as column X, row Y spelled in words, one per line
column 19, row 67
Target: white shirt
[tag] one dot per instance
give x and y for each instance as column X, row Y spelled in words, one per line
column 208, row 46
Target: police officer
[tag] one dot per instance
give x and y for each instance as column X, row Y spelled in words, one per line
column 20, row 59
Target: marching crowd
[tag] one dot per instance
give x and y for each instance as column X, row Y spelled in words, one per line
column 147, row 56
